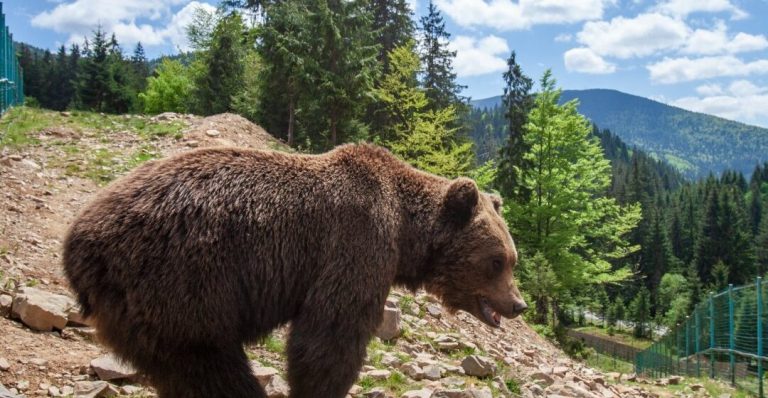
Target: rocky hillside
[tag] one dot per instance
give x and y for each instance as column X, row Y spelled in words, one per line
column 51, row 164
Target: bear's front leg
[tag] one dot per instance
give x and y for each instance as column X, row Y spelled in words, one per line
column 327, row 347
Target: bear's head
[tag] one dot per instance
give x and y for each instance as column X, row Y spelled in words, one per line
column 474, row 257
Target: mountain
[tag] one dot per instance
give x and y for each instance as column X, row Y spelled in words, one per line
column 695, row 143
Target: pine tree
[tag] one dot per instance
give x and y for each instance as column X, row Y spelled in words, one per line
column 61, row 84
column 94, row 77
column 140, row 68
column 394, row 27
column 761, row 248
column 438, row 78
column 640, row 312
column 517, row 102
column 223, row 66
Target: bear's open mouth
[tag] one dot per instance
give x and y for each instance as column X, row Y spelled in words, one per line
column 490, row 316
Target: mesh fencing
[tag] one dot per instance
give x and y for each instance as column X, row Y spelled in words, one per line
column 11, row 75
column 723, row 338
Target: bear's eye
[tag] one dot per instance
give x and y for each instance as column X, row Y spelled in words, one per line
column 498, row 266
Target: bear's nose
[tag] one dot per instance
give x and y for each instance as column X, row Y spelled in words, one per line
column 520, row 306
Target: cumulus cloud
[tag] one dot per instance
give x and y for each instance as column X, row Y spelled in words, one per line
column 479, row 56
column 522, row 14
column 643, row 35
column 716, row 41
column 741, row 100
column 585, row 60
column 709, row 90
column 683, row 8
column 564, row 38
column 675, row 70
column 79, row 18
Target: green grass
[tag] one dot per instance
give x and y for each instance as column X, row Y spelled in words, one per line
column 17, row 124
column 607, row 363
column 273, row 344
column 397, row 383
column 713, row 387
column 618, row 336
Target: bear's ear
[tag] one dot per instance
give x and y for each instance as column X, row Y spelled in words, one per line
column 497, row 202
column 461, row 200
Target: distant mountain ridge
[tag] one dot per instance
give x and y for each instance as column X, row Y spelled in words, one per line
column 695, row 143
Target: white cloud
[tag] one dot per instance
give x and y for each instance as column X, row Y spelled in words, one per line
column 675, row 70
column 564, row 38
column 585, row 60
column 479, row 57
column 741, row 101
column 683, row 8
column 640, row 36
column 709, row 90
column 522, row 14
column 716, row 41
column 79, row 18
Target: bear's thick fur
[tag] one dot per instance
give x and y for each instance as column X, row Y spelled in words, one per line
column 186, row 259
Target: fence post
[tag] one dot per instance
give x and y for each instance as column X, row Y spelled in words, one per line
column 688, row 353
column 759, row 286
column 711, row 337
column 697, row 342
column 731, row 337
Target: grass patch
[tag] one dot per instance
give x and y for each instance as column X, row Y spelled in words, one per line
column 273, row 344
column 396, row 384
column 618, row 336
column 17, row 125
column 609, row 364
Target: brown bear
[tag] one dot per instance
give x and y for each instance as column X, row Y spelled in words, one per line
column 186, row 259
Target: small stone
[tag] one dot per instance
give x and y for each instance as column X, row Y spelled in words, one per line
column 41, row 310
column 674, row 380
column 423, row 393
column 91, row 389
column 193, row 143
column 696, row 387
column 451, row 393
column 6, row 302
column 130, row 390
column 277, row 388
column 412, row 370
column 433, row 372
column 65, row 114
column 263, row 374
column 109, row 368
column 4, row 365
column 39, row 362
column 22, row 385
column 378, row 374
column 376, row 392
column 212, row 133
column 67, row 391
column 434, row 310
column 478, row 366
column 390, row 324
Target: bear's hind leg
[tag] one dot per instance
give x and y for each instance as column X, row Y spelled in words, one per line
column 206, row 372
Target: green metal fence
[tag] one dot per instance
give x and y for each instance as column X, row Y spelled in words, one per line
column 722, row 339
column 11, row 75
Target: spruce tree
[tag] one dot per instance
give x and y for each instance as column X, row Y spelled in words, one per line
column 393, row 26
column 94, row 77
column 438, row 77
column 517, row 102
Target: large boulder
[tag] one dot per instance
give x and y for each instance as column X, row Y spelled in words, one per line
column 478, row 366
column 41, row 310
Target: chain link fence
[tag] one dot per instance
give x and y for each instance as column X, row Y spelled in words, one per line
column 723, row 339
column 11, row 75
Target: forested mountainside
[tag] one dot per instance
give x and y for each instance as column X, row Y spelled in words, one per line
column 695, row 143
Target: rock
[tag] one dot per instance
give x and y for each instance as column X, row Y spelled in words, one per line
column 130, row 390
column 433, row 372
column 5, row 393
column 6, row 302
column 4, row 365
column 696, row 387
column 478, row 366
column 109, row 368
column 30, row 164
column 93, row 389
column 452, row 393
column 543, row 378
column 412, row 370
column 65, row 114
column 434, row 310
column 423, row 393
column 22, row 385
column 674, row 380
column 263, row 374
column 277, row 388
column 378, row 374
column 41, row 310
column 390, row 324
column 67, row 391
column 193, row 143
column 76, row 318
column 376, row 392
column 484, row 392
column 15, row 158
column 212, row 133
column 38, row 361
column 54, row 391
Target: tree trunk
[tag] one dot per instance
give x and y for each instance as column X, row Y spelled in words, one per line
column 291, row 120
column 542, row 305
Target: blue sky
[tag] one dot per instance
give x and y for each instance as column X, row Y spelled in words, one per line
column 705, row 55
